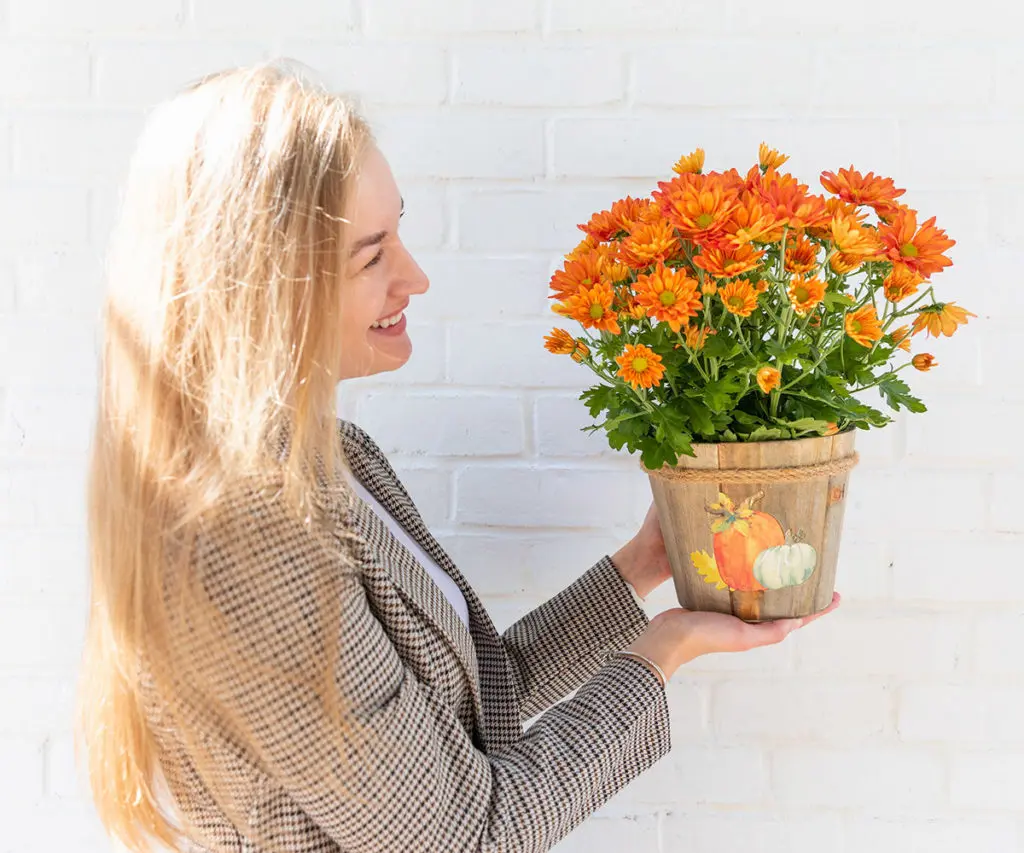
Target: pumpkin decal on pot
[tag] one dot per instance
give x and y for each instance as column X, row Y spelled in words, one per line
column 785, row 565
column 740, row 535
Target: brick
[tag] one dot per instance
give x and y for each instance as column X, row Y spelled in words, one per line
column 637, row 834
column 28, row 358
column 864, row 570
column 988, row 780
column 40, row 72
column 798, row 710
column 1000, row 637
column 939, row 437
column 103, row 145
column 57, row 823
column 536, row 566
column 511, row 76
column 660, row 79
column 59, row 281
column 378, row 74
column 529, row 220
column 872, row 492
column 430, row 490
column 647, row 146
column 451, row 424
column 41, row 217
column 8, row 291
column 701, row 831
column 937, row 835
column 961, row 714
column 42, row 635
column 932, row 569
column 21, row 783
column 266, row 16
column 882, row 779
column 962, row 139
column 95, row 16
column 44, row 562
column 1002, row 362
column 764, row 660
column 47, row 424
column 142, row 73
column 462, row 146
column 549, row 497
column 1005, row 515
column 654, row 16
column 716, row 775
column 42, row 494
column 880, row 643
column 36, row 704
column 558, row 423
column 473, row 287
column 526, row 364
column 385, row 17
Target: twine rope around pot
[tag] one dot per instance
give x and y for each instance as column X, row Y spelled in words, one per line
column 756, row 475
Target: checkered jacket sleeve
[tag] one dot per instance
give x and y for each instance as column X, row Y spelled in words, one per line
column 562, row 643
column 415, row 780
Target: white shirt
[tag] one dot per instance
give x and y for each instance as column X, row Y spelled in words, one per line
column 441, row 577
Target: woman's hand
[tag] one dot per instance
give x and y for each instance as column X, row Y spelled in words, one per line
column 643, row 560
column 677, row 636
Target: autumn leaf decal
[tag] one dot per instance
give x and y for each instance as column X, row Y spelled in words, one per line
column 706, row 567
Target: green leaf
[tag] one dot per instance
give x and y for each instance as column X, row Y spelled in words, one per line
column 838, row 300
column 763, row 433
column 897, row 395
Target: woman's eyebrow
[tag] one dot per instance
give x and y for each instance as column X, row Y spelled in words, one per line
column 363, row 242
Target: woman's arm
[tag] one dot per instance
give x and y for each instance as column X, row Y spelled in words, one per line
column 412, row 778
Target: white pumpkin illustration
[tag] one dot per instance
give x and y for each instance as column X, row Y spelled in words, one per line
column 785, row 565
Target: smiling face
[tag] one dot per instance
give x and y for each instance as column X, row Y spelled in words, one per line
column 380, row 275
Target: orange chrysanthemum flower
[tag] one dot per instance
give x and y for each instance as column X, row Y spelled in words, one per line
column 669, row 295
column 709, row 288
column 591, row 307
column 924, row 361
column 692, row 163
column 789, row 201
column 700, row 206
column 801, row 256
column 581, row 271
column 805, row 294
column 648, row 243
column 863, row 326
column 561, row 342
column 727, row 263
column 695, row 336
column 768, row 378
column 640, row 366
column 752, row 221
column 918, row 249
column 738, row 297
column 769, row 158
column 901, row 337
column 843, row 264
column 943, row 318
column 836, row 207
column 625, row 213
column 853, row 238
column 831, row 428
column 900, row 283
column 853, row 187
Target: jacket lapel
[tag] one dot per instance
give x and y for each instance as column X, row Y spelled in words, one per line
column 373, row 470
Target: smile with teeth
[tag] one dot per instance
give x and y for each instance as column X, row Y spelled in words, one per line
column 387, row 321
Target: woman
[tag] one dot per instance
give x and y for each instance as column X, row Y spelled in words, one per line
column 280, row 656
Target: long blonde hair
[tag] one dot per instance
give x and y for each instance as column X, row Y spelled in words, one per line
column 221, row 332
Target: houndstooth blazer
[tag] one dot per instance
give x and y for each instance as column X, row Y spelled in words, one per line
column 446, row 705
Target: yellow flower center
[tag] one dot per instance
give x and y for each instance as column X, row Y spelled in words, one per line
column 705, row 219
column 908, row 250
column 667, row 297
column 639, row 364
column 802, row 294
column 596, row 310
column 855, row 326
column 736, row 301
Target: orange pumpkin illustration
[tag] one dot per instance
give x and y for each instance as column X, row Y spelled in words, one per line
column 740, row 534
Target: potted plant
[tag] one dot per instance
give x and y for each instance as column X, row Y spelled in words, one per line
column 734, row 320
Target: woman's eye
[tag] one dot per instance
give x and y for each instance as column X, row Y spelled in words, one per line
column 376, row 259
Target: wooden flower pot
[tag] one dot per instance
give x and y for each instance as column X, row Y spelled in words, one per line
column 753, row 528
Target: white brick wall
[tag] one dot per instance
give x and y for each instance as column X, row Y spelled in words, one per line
column 892, row 726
